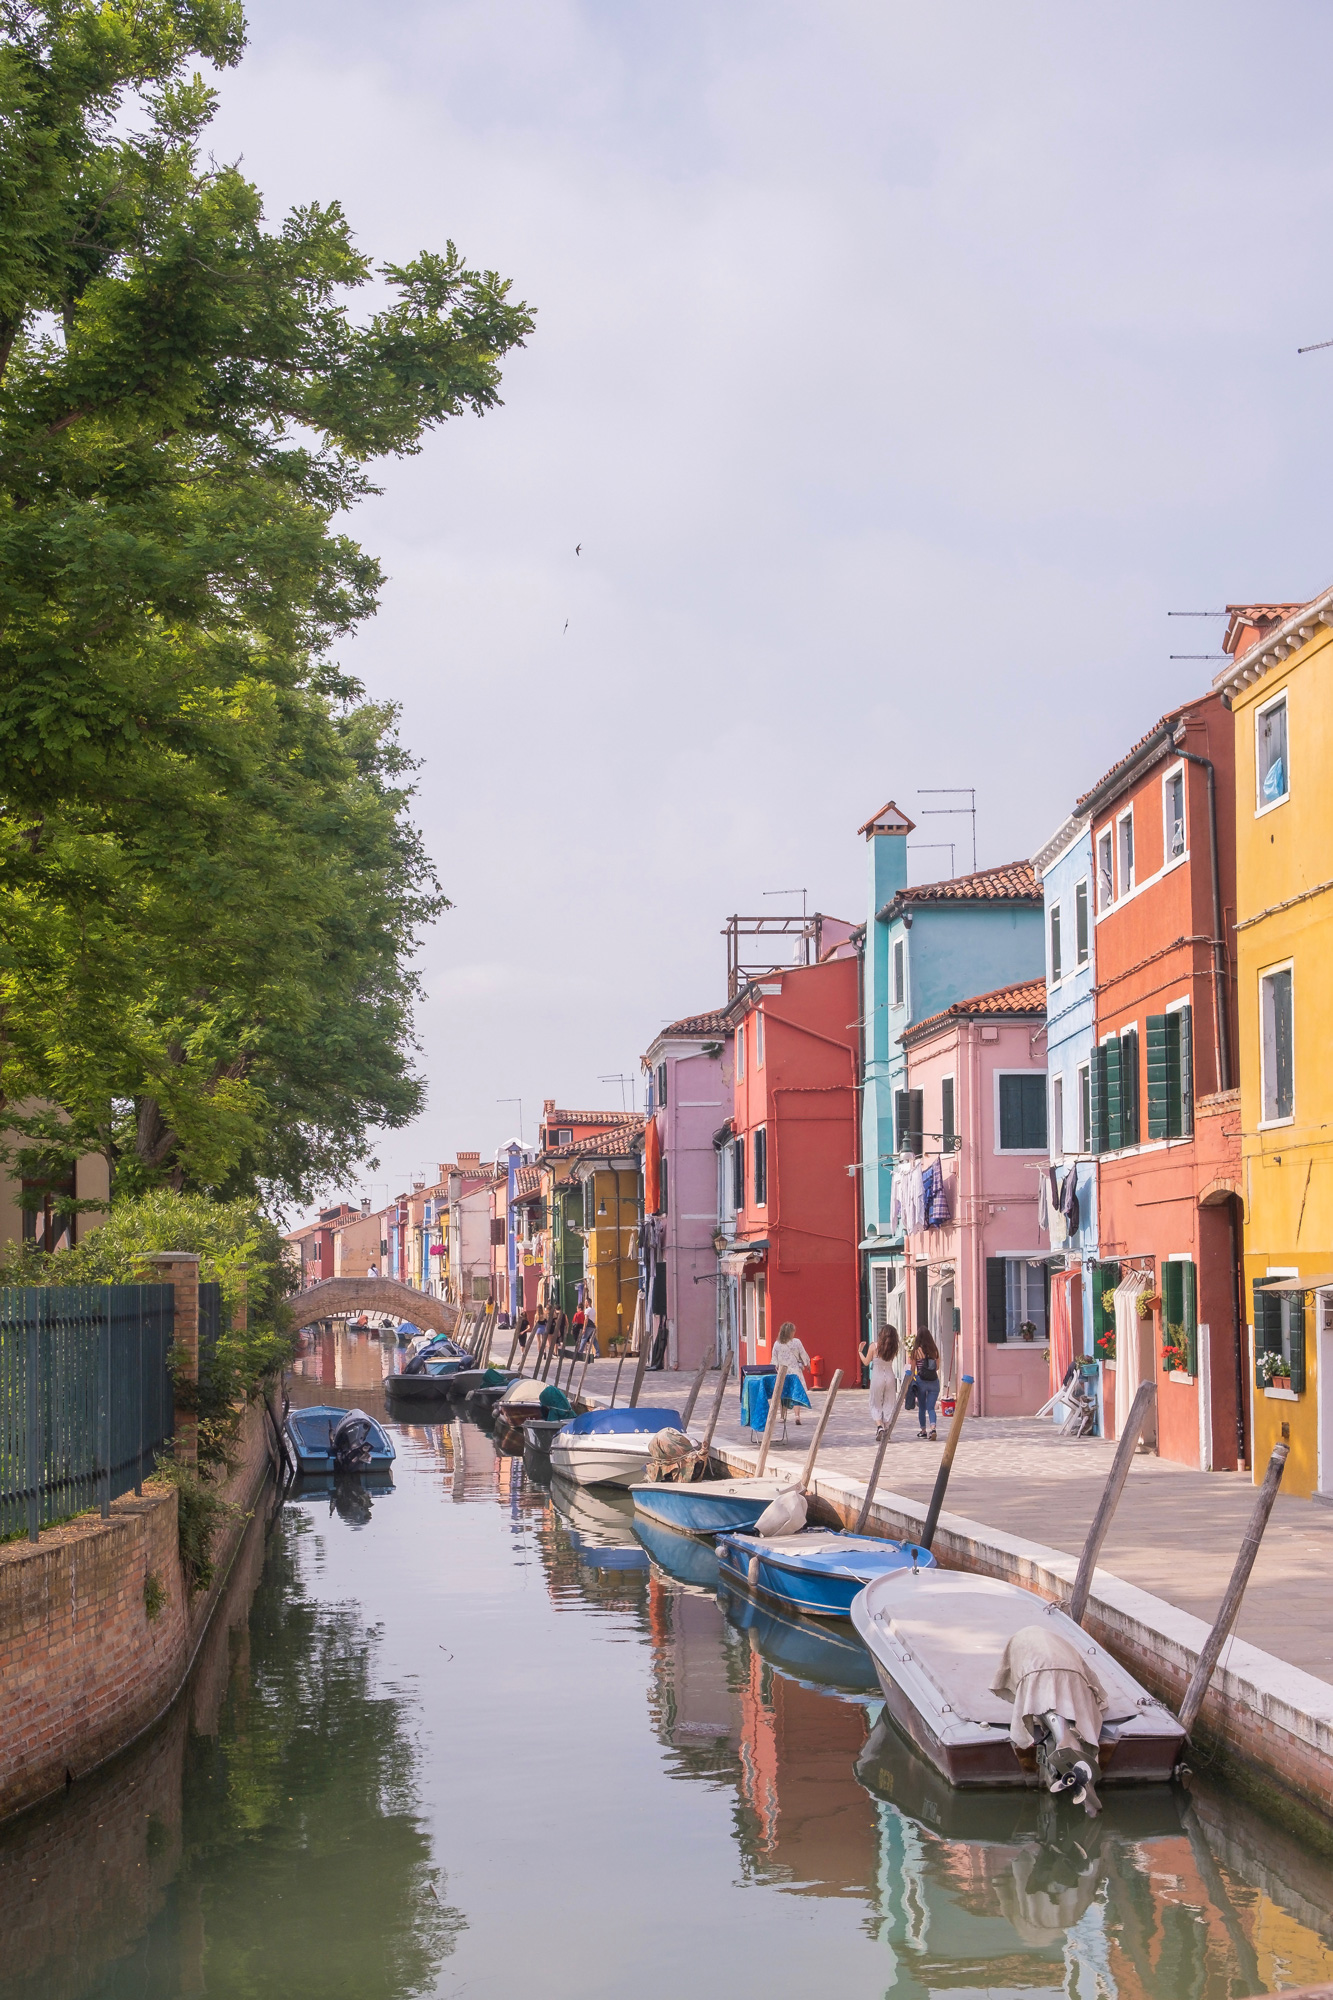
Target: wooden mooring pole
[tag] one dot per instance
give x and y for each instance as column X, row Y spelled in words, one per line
column 693, row 1397
column 820, row 1429
column 705, row 1448
column 878, row 1465
column 1143, row 1401
column 773, row 1409
column 1240, row 1576
column 946, row 1463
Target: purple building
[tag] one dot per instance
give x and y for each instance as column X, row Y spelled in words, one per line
column 689, row 1101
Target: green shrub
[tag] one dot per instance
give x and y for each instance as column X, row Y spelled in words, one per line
column 200, row 1512
column 154, row 1595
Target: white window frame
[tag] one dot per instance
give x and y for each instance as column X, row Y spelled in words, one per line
column 898, row 972
column 759, row 1038
column 1105, row 878
column 1122, row 887
column 1054, row 930
column 740, row 1050
column 1083, row 1075
column 1018, row 1152
column 1083, row 957
column 1055, row 1130
column 1275, row 1124
column 1262, row 805
column 1169, row 776
column 754, row 1152
column 1033, row 1276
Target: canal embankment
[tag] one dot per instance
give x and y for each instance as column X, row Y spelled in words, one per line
column 99, row 1626
column 1267, row 1719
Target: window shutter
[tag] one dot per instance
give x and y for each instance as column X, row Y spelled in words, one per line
column 1106, row 1278
column 1098, row 1129
column 1296, row 1323
column 1190, row 1307
column 947, row 1131
column 902, row 1118
column 1267, row 1328
column 995, row 1299
column 1129, row 1087
column 1172, row 1310
column 663, row 1169
column 1159, row 1090
column 1032, row 1094
column 1111, row 1057
column 922, row 1300
column 738, row 1173
column 1185, row 1016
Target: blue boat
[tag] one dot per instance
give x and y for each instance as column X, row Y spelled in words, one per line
column 817, row 1572
column 324, row 1438
column 817, row 1655
column 684, row 1558
column 708, row 1506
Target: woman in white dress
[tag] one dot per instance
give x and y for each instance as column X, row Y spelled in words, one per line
column 884, row 1378
column 788, row 1353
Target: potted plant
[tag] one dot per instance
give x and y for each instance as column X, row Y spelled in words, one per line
column 1275, row 1371
column 1105, row 1344
column 1175, row 1350
column 1028, row 1329
column 1148, row 1304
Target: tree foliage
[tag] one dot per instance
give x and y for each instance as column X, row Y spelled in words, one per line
column 211, row 883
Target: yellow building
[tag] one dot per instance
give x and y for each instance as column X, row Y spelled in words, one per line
column 1281, row 690
column 612, row 1208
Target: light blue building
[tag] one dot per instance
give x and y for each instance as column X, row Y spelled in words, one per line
column 924, row 949
column 1063, row 866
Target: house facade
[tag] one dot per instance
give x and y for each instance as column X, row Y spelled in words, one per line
column 608, row 1171
column 1163, row 1108
column 977, row 1258
column 924, row 948
column 792, row 1155
column 690, row 1096
column 1280, row 687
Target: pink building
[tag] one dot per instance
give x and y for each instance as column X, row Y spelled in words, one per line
column 976, row 1120
column 689, row 1100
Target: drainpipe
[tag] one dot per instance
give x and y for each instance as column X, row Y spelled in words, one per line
column 1238, row 1321
column 1219, row 942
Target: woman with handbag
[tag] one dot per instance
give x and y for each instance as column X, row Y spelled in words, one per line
column 925, row 1390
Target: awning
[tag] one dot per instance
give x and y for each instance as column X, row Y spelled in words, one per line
column 1295, row 1284
column 735, row 1261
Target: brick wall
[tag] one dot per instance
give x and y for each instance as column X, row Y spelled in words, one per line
column 83, row 1668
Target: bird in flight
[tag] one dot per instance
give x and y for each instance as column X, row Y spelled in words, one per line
column 578, row 546
column 566, row 627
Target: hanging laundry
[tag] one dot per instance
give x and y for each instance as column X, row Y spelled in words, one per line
column 1069, row 1207
column 936, row 1194
column 1043, row 1204
column 914, row 1199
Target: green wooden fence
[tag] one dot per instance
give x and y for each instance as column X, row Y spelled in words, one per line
column 85, row 1396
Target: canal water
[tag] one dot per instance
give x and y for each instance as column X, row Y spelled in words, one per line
column 466, row 1735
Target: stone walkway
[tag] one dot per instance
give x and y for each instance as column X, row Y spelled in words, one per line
column 1175, row 1533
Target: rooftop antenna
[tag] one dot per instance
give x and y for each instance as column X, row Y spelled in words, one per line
column 1196, row 614
column 1199, row 656
column 622, row 1080
column 920, row 847
column 802, row 893
column 968, row 792
column 1314, row 347
column 519, row 1102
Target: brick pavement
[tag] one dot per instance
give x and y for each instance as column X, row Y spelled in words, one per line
column 1175, row 1533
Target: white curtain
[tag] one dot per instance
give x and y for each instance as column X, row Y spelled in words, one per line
column 1129, row 1368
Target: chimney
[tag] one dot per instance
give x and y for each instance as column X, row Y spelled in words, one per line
column 468, row 1159
column 548, row 1107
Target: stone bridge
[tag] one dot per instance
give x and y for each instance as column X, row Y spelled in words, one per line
column 342, row 1298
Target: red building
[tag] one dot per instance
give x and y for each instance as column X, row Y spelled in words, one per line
column 793, row 1154
column 313, row 1243
column 1164, row 1110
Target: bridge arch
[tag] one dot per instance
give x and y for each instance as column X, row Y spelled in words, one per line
column 340, row 1298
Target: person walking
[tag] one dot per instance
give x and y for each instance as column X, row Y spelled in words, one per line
column 788, row 1353
column 884, row 1378
column 925, row 1361
column 588, row 1341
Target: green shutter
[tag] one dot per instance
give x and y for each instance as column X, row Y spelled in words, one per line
column 922, row 1300
column 1159, row 1092
column 1129, row 1087
column 1296, row 1322
column 1172, row 1308
column 1115, row 1138
column 1190, row 1309
column 1267, row 1328
column 1098, row 1135
column 1105, row 1279
column 995, row 1299
column 1180, row 1074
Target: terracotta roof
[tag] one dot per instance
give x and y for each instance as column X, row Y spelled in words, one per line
column 889, row 819
column 607, row 1118
column 715, row 1023
column 1274, row 646
column 527, row 1181
column 1011, row 882
column 1028, row 996
column 1260, row 619
column 1170, row 721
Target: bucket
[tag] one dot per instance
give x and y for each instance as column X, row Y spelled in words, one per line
column 948, row 1404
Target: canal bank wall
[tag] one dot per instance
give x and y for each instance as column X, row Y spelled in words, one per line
column 98, row 1630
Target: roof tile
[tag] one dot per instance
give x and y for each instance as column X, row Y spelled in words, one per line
column 1027, row 996
column 1012, row 881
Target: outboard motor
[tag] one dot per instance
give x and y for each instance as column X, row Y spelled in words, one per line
column 349, row 1442
column 1064, row 1764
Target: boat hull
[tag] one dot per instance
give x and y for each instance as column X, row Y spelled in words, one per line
column 600, row 1461
column 788, row 1576
column 308, row 1431
column 708, row 1506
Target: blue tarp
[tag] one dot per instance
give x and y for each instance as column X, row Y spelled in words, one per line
column 625, row 1420
column 757, row 1394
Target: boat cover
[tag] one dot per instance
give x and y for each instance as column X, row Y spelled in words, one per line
column 757, row 1394
column 527, row 1389
column 554, row 1402
column 1039, row 1671
column 956, row 1627
column 621, row 1421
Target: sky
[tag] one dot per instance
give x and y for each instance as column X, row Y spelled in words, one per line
column 896, row 371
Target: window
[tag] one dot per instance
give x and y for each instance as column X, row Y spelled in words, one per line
column 740, row 1052
column 760, row 1166
column 1272, row 776
column 1180, row 1320
column 1015, row 1299
column 899, row 972
column 738, row 1172
column 1081, row 922
column 1173, row 815
column 1129, row 1086
column 1276, row 1025
column 1279, row 1328
column 661, row 1086
column 1057, row 1114
column 1055, row 943
column 759, row 1039
column 1105, row 874
column 1022, row 1111
column 948, row 1130
column 909, row 1119
column 1170, row 1050
column 589, row 1207
column 1085, row 1109
column 1125, row 851
column 564, row 1137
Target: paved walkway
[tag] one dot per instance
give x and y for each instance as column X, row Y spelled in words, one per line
column 1175, row 1532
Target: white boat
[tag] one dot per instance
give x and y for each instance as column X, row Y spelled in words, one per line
column 937, row 1637
column 609, row 1447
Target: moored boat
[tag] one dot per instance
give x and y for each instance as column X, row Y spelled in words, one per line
column 817, row 1652
column 938, row 1638
column 709, row 1506
column 324, row 1438
column 684, row 1558
column 609, row 1447
column 816, row 1572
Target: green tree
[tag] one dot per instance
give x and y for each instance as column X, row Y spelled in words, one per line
column 211, row 883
